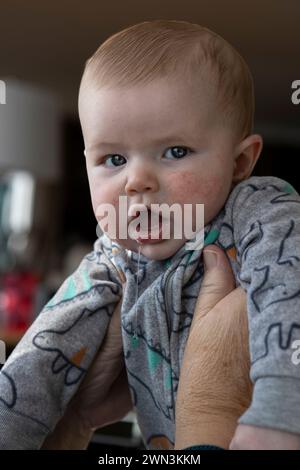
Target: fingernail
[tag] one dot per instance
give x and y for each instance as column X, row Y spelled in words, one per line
column 210, row 259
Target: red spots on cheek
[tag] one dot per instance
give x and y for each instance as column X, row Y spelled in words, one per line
column 189, row 187
column 182, row 183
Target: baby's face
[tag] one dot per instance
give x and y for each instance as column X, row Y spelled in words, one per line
column 157, row 143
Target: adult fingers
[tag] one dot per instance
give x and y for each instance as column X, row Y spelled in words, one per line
column 218, row 280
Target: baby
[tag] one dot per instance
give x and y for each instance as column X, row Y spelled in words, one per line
column 166, row 109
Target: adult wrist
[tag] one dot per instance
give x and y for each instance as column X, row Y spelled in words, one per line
column 209, row 429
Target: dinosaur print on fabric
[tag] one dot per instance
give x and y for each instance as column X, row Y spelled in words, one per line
column 280, row 335
column 270, row 290
column 286, row 247
column 269, row 282
column 66, row 360
column 10, row 392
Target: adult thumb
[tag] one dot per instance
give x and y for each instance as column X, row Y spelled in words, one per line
column 218, row 280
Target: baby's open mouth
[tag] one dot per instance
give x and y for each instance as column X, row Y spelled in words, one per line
column 149, row 228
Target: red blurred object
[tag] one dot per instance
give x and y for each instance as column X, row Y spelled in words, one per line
column 17, row 300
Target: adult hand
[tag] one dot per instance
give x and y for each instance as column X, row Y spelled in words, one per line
column 214, row 387
column 102, row 398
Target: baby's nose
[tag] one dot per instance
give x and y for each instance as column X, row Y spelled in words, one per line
column 141, row 180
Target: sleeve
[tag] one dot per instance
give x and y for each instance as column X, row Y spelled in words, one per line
column 266, row 221
column 47, row 366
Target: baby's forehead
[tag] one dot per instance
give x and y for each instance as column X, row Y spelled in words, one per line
column 165, row 102
column 147, row 50
column 204, row 92
column 160, row 91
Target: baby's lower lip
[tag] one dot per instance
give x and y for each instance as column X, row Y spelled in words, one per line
column 148, row 240
column 151, row 237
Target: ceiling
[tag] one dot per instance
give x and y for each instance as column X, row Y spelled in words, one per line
column 47, row 42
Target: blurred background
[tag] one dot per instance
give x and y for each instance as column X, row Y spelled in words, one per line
column 46, row 219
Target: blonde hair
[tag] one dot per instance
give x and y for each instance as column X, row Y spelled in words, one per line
column 149, row 50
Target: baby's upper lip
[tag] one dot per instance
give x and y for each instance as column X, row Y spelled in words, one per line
column 141, row 207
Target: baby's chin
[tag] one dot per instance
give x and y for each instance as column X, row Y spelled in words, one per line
column 159, row 251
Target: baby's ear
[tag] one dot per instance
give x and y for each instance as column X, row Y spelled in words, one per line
column 246, row 156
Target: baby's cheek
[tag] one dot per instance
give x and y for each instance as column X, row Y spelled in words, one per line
column 210, row 190
column 188, row 187
column 101, row 197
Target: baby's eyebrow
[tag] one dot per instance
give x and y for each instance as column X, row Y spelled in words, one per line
column 106, row 144
column 176, row 138
column 101, row 146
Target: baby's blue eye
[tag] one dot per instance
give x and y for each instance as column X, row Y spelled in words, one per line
column 178, row 152
column 117, row 159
